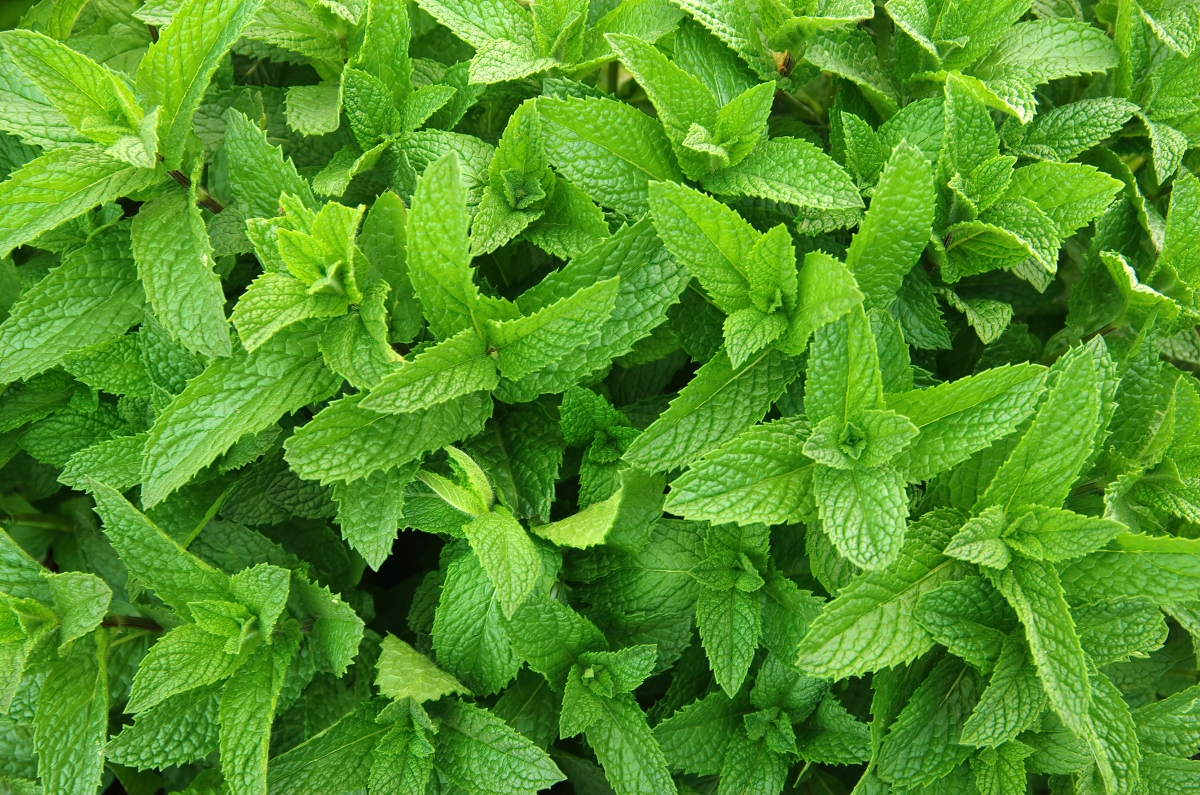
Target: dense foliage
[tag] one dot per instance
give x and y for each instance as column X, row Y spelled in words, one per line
column 649, row 396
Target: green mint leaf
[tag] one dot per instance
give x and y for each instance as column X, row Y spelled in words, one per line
column 176, row 69
column 247, row 709
column 932, row 719
column 527, row 344
column 970, row 618
column 93, row 99
column 848, row 53
column 185, row 658
column 1013, row 700
column 71, row 719
column 832, row 735
column 258, row 173
column 439, row 250
column 279, row 377
column 695, row 738
column 92, row 296
column 175, row 265
column 1164, row 726
column 478, row 751
column 1044, row 464
column 732, row 23
column 710, row 239
column 872, row 623
column 1035, row 593
column 82, row 601
column 761, row 475
column 650, row 283
column 626, row 748
column 550, row 637
column 406, row 673
column 864, row 512
column 963, row 416
column 792, row 171
column 1061, row 133
column 507, row 554
column 628, row 150
column 180, row 729
column 895, row 229
column 1159, row 568
column 370, row 511
column 335, row 757
column 60, row 185
column 345, row 442
column 458, row 366
column 843, row 369
column 177, row 576
column 717, row 403
column 468, row 636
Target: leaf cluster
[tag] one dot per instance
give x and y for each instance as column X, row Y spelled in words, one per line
column 624, row 396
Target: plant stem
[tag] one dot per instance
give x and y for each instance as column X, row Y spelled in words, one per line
column 132, row 622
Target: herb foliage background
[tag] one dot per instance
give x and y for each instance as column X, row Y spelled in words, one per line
column 639, row 397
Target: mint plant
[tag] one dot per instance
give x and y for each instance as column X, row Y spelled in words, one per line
column 637, row 396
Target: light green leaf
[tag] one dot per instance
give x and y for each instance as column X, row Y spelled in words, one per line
column 258, row 173
column 406, row 673
column 864, row 511
column 247, row 709
column 1161, row 568
column 439, row 258
column 872, row 622
column 340, row 756
column 480, row 753
column 960, row 417
column 730, row 623
column 627, row 750
column 91, row 98
column 345, row 442
column 791, row 171
column 58, row 186
column 761, row 475
column 1034, row 591
column 651, row 282
column 468, row 631
column 445, row 371
column 843, row 370
column 71, row 721
column 176, row 576
column 176, row 69
column 1013, row 700
column 528, row 344
column 185, row 658
column 179, row 730
column 922, row 745
column 609, row 149
column 850, row 53
column 81, row 600
column 370, row 511
column 1055, row 535
column 1044, row 464
column 712, row 241
column 717, row 403
column 507, row 554
column 175, row 264
column 92, row 296
column 232, row 397
column 896, row 227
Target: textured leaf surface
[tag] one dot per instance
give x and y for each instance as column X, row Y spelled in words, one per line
column 232, row 397
column 872, row 622
column 175, row 264
column 92, row 296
